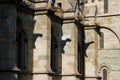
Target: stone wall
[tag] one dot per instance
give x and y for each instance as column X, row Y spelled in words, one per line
column 52, row 43
column 107, row 57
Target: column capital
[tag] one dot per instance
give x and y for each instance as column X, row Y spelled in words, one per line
column 71, row 17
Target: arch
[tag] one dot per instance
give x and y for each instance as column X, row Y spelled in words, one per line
column 98, row 28
column 105, row 74
column 104, row 71
column 104, row 66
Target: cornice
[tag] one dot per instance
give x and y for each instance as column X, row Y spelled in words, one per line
column 68, row 17
column 37, row 7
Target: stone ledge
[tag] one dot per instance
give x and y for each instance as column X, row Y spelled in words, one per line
column 38, row 1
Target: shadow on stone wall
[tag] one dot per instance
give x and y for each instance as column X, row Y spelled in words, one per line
column 63, row 44
column 86, row 47
column 35, row 36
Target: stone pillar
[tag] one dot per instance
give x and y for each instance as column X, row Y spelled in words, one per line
column 42, row 43
column 47, row 52
column 26, row 23
column 69, row 48
column 7, row 41
column 91, row 54
column 41, row 52
column 56, row 36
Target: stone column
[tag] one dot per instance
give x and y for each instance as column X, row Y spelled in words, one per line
column 41, row 52
column 91, row 53
column 7, row 40
column 56, row 35
column 26, row 23
column 42, row 43
column 69, row 48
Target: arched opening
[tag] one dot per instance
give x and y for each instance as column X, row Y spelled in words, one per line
column 104, row 71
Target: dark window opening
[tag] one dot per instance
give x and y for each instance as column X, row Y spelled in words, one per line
column 105, row 6
column 101, row 40
column 104, row 74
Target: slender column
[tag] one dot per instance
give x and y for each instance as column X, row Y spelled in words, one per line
column 69, row 48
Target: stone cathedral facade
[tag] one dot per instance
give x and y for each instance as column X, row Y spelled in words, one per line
column 59, row 39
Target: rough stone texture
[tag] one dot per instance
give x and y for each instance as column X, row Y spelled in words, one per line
column 69, row 78
column 42, row 77
column 108, row 56
column 52, row 51
column 70, row 49
column 41, row 52
column 90, row 53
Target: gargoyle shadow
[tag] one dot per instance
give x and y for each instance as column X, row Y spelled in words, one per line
column 63, row 43
column 35, row 36
column 97, row 29
column 86, row 47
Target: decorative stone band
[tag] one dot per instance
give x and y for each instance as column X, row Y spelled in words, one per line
column 70, row 16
